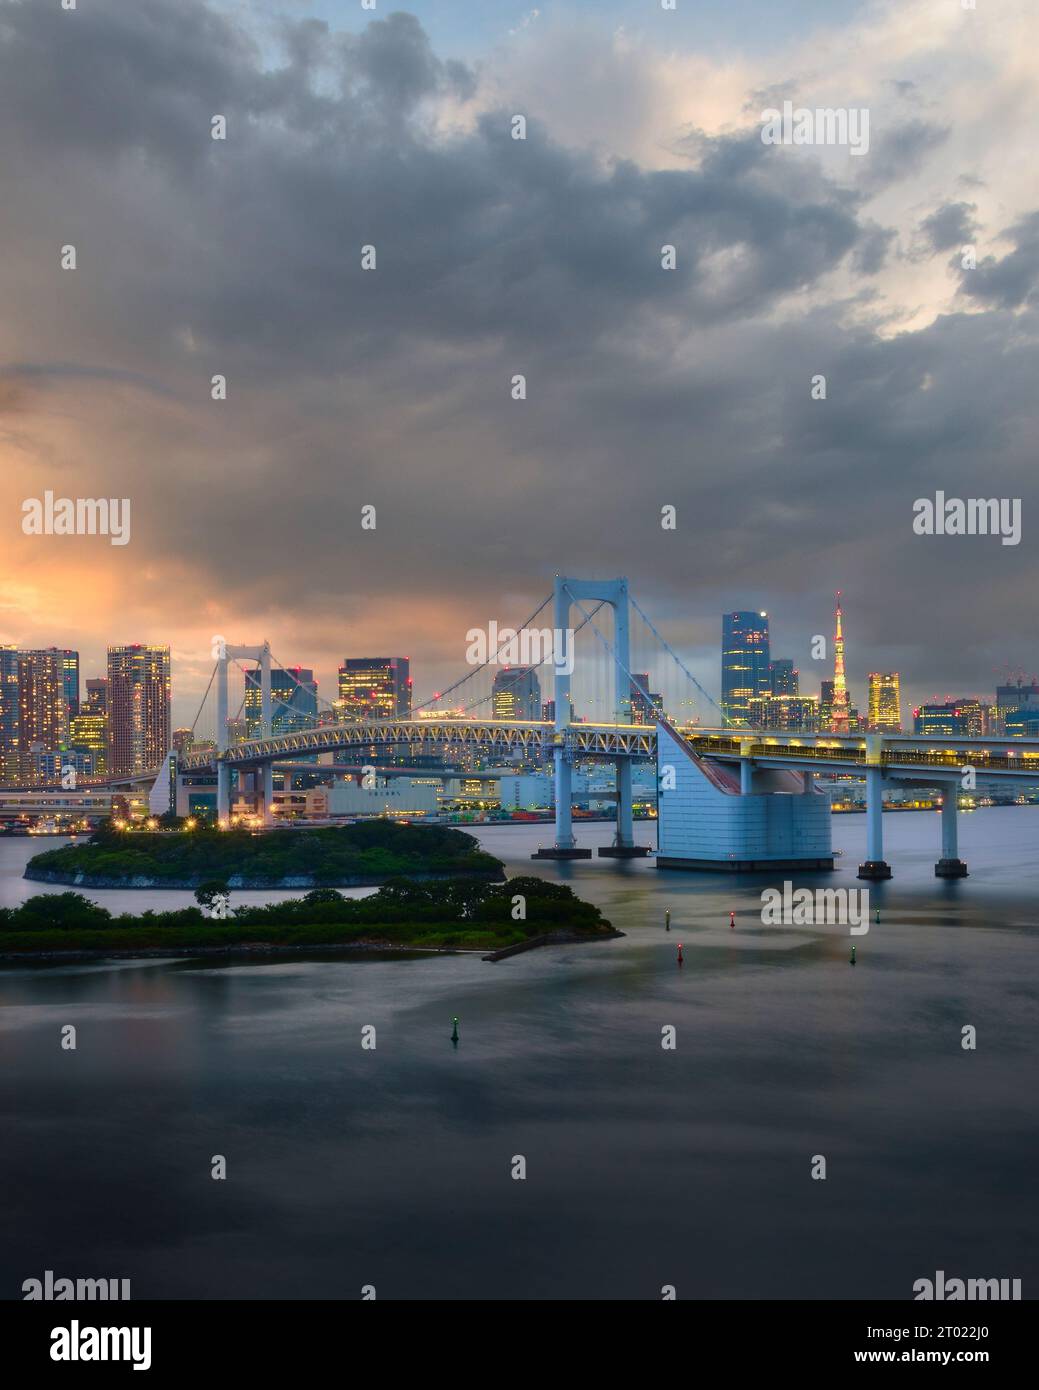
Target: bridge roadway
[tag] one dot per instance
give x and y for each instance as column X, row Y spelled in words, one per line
column 898, row 753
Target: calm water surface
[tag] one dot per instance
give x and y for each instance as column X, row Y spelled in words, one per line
column 645, row 1167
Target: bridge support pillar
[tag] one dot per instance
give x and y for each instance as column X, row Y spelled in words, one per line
column 223, row 791
column 746, row 767
column 267, row 788
column 565, row 846
column 950, row 865
column 874, row 868
column 624, row 846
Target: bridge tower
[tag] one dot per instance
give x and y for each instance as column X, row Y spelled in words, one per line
column 262, row 655
column 566, row 593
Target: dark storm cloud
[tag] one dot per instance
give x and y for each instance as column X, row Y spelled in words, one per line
column 495, row 257
column 950, row 225
column 1014, row 279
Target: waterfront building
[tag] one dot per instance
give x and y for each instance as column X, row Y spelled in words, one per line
column 10, row 723
column 42, row 708
column 88, row 736
column 138, row 699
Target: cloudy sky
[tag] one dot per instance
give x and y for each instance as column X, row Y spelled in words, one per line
column 646, row 387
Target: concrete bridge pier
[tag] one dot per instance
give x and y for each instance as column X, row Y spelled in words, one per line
column 565, row 846
column 874, row 868
column 950, row 865
column 223, row 791
column 624, row 846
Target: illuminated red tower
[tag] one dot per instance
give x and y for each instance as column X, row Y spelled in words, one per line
column 840, row 688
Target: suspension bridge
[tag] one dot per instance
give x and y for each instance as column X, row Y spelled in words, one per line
column 728, row 797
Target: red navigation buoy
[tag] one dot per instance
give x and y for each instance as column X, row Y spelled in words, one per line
column 680, row 953
column 732, row 920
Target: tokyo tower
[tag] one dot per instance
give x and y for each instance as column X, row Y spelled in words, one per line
column 840, row 689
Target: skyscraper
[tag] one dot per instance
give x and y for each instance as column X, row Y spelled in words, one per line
column 784, row 679
column 516, row 694
column 43, row 712
column 745, row 662
column 10, row 743
column 293, row 701
column 374, row 687
column 841, row 713
column 826, row 706
column 885, row 714
column 646, row 705
column 138, row 707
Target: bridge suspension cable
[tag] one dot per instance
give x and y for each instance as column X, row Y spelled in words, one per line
column 491, row 660
column 674, row 655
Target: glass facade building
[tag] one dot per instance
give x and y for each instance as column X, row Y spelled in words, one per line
column 745, row 663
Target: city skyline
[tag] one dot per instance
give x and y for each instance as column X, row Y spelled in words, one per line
column 247, row 510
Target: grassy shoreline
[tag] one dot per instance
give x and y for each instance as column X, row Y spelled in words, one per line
column 455, row 914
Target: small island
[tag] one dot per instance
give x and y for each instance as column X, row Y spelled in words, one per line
column 456, row 915
column 362, row 855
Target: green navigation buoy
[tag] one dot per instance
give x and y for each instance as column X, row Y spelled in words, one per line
column 853, row 955
column 876, row 917
column 454, row 1030
column 667, row 920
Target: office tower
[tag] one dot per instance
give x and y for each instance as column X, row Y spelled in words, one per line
column 88, row 736
column 516, row 693
column 97, row 695
column 784, row 679
column 825, row 705
column 10, row 722
column 138, row 707
column 840, row 714
column 885, row 713
column 293, row 701
column 745, row 662
column 646, row 705
column 69, row 661
column 181, row 740
column 42, row 708
column 953, row 719
column 374, row 687
column 785, row 713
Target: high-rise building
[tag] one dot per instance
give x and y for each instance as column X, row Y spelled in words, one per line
column 954, row 719
column 97, row 695
column 70, row 676
column 374, row 687
column 10, row 722
column 840, row 714
column 43, row 712
column 825, row 705
column 646, row 705
column 88, row 736
column 784, row 678
column 293, row 701
column 181, row 740
column 138, row 707
column 786, row 713
column 516, row 693
column 745, row 662
column 885, row 712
